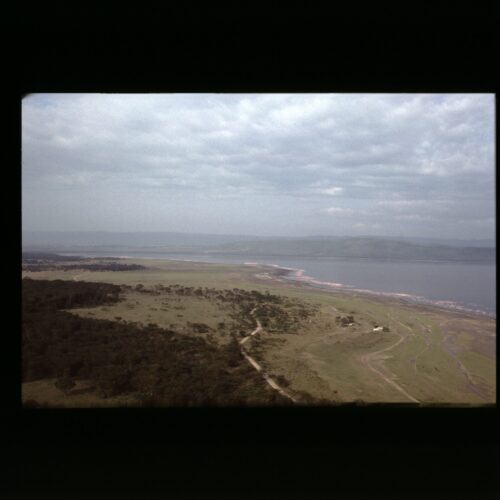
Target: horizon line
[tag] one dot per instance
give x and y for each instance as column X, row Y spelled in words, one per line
column 67, row 231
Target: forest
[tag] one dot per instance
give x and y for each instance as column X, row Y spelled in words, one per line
column 159, row 367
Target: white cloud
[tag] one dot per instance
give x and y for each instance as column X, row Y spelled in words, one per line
column 302, row 108
column 338, row 210
column 332, row 191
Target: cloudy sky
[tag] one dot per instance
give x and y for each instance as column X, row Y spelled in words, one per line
column 261, row 164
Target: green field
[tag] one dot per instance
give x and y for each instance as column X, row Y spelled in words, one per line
column 427, row 355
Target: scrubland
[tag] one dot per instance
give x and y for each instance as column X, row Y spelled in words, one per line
column 421, row 355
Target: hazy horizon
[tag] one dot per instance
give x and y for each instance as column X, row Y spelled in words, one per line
column 67, row 239
column 261, row 165
column 249, row 235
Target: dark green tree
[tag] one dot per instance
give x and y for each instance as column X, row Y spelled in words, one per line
column 65, row 384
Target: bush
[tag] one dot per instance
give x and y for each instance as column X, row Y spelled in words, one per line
column 112, row 381
column 65, row 384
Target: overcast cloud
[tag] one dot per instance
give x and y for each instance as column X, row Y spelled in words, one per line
column 263, row 164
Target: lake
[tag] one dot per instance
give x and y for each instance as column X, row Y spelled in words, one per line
column 468, row 285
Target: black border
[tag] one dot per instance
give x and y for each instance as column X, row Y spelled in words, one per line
column 380, row 48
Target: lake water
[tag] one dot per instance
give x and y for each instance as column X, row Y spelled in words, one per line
column 456, row 285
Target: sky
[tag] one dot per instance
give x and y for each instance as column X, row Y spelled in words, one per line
column 420, row 165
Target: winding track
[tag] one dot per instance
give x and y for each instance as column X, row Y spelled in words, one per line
column 373, row 356
column 257, row 330
column 471, row 382
column 272, row 383
column 425, row 332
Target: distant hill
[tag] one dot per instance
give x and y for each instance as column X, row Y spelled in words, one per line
column 356, row 247
column 252, row 246
column 453, row 242
column 61, row 239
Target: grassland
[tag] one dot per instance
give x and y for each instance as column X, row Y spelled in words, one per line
column 165, row 310
column 425, row 355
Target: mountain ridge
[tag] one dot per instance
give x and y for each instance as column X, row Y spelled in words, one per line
column 389, row 248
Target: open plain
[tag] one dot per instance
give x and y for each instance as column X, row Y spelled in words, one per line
column 320, row 347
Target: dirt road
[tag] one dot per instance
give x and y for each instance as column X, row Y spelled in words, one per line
column 373, row 357
column 257, row 330
column 272, row 383
column 426, row 330
column 471, row 383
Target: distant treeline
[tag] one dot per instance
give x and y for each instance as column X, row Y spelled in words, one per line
column 155, row 366
column 34, row 257
column 36, row 261
column 111, row 266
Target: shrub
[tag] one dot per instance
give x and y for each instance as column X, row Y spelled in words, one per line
column 65, row 384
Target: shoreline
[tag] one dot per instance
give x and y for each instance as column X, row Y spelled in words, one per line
column 154, row 255
column 293, row 275
column 299, row 277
